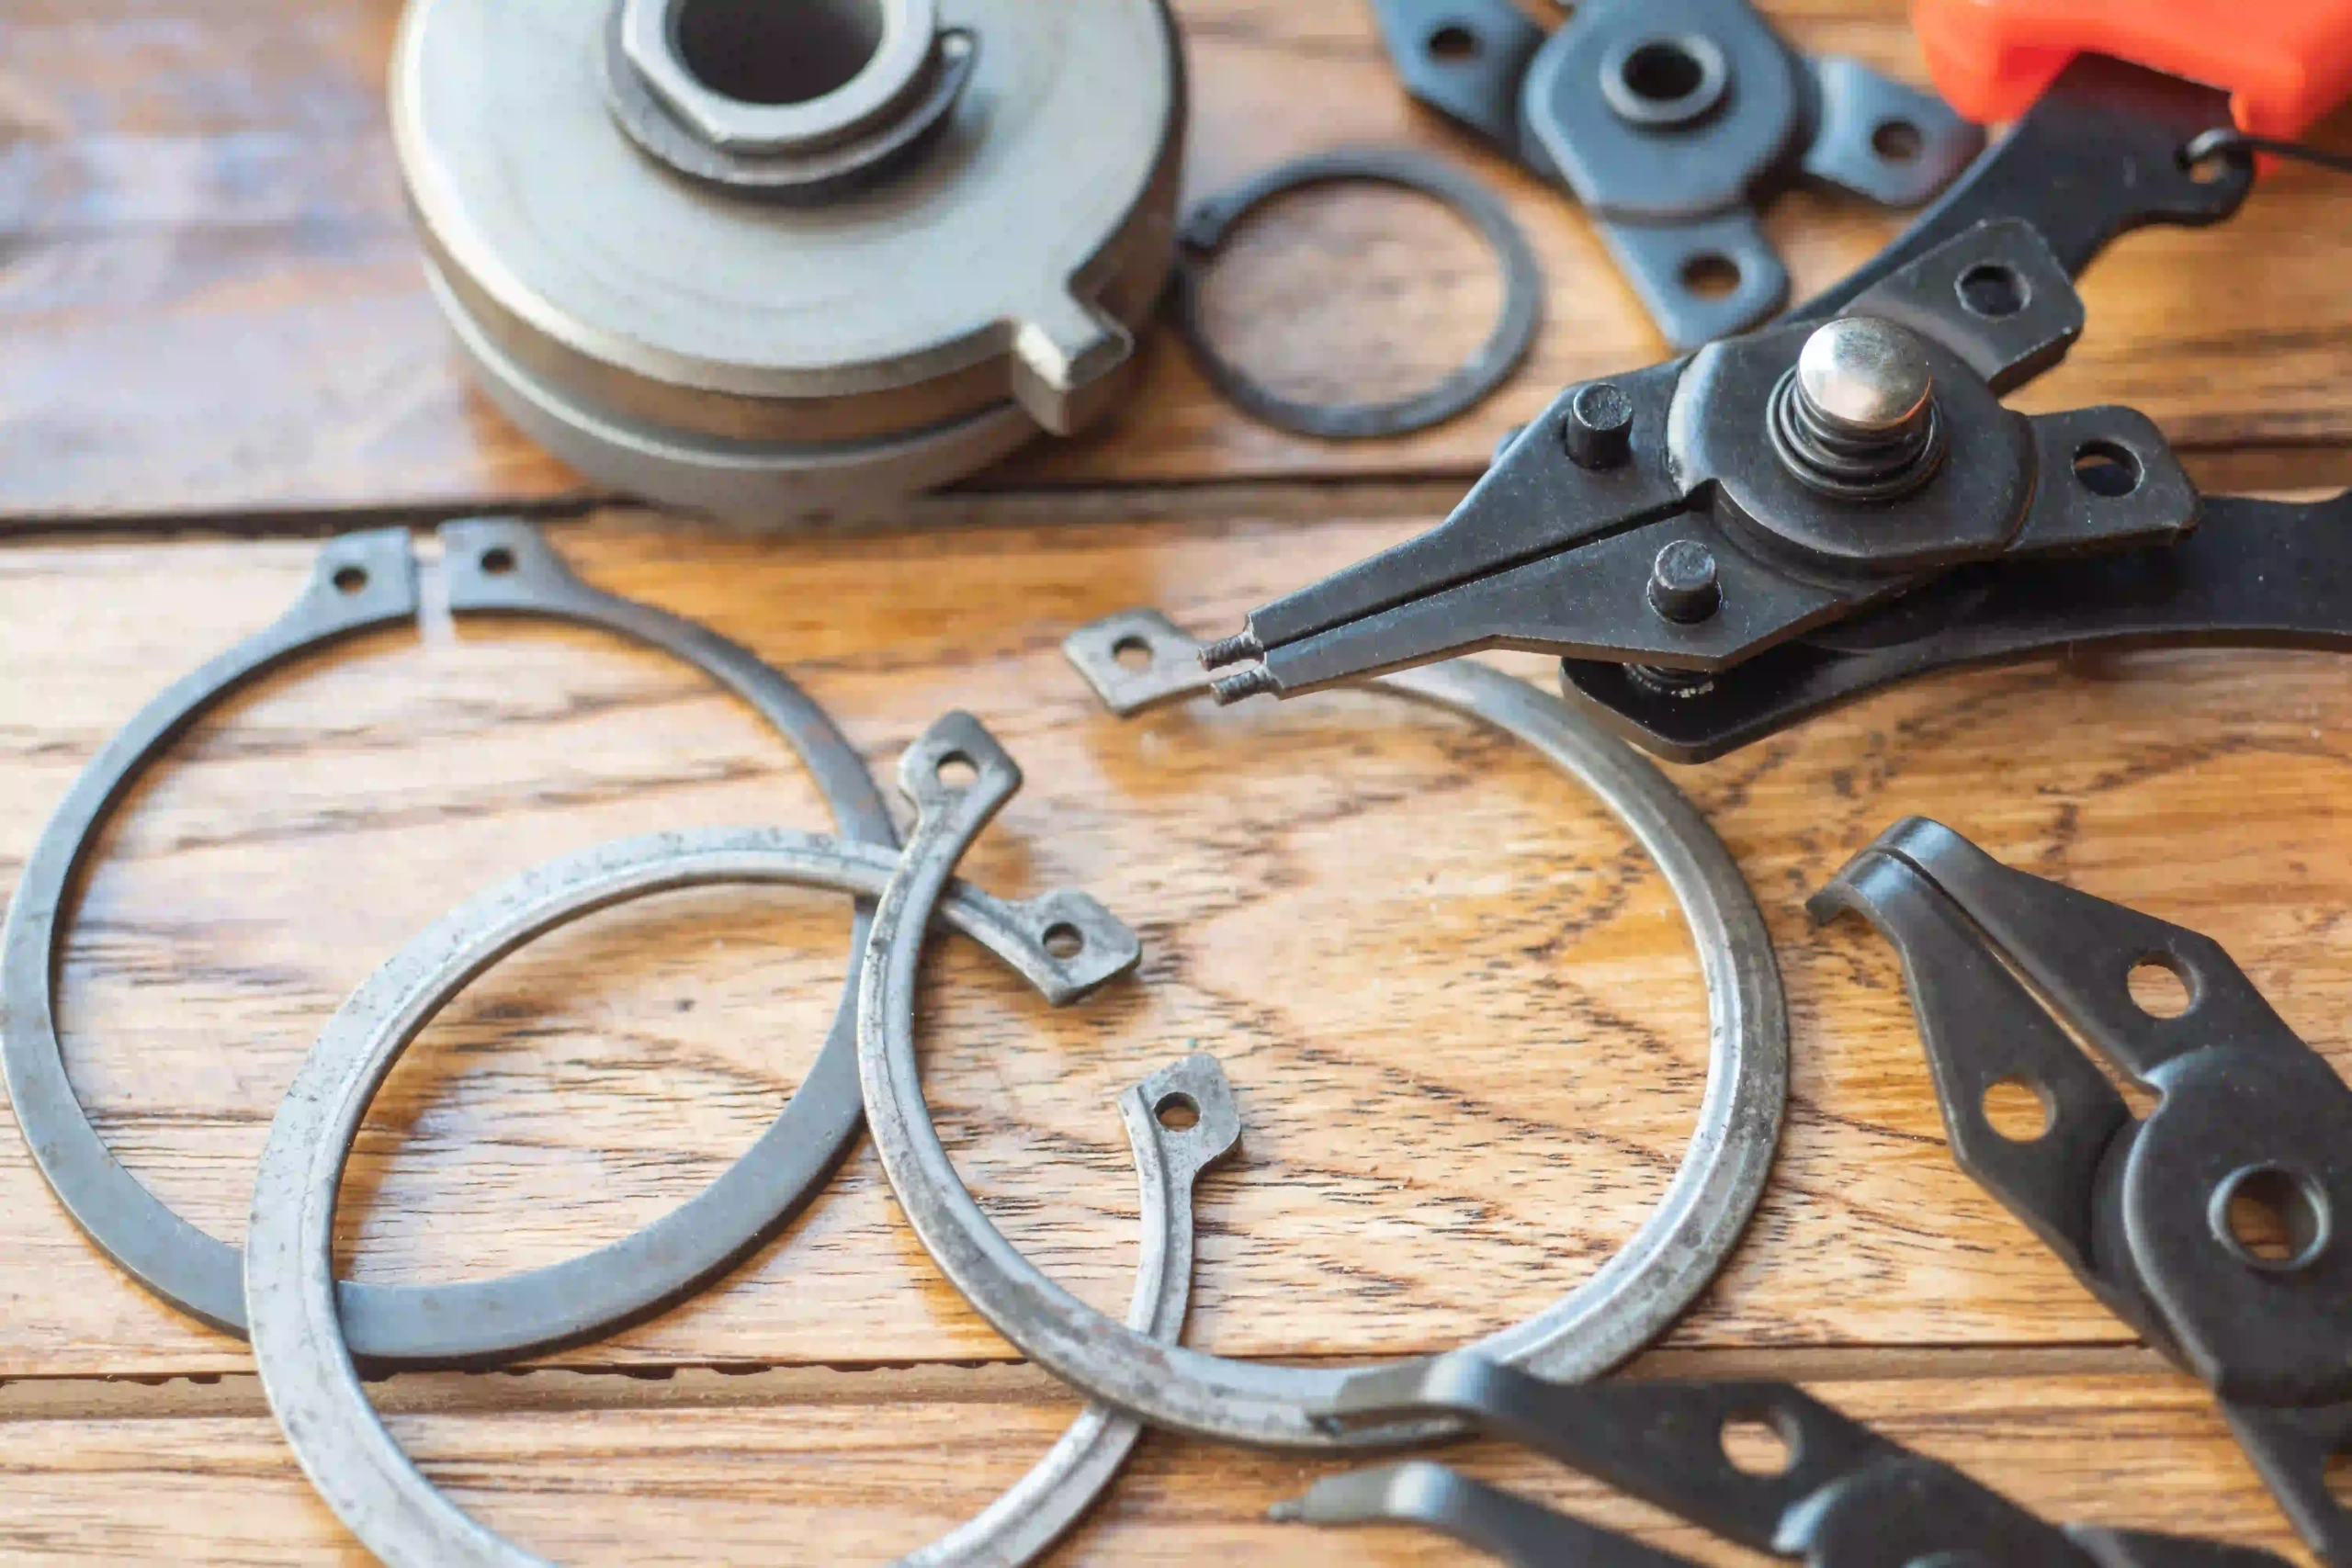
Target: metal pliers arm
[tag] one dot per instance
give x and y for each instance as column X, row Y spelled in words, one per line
column 2254, row 573
column 2152, row 1215
column 1843, row 1496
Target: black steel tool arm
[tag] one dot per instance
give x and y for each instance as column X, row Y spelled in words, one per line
column 2158, row 1217
column 2102, row 152
column 1842, row 1497
column 2254, row 573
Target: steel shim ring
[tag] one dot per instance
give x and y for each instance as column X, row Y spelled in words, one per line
column 362, row 582
column 1208, row 226
column 1632, row 1298
column 306, row 1366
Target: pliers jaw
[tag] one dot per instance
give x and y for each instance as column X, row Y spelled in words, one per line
column 1693, row 516
column 2005, row 970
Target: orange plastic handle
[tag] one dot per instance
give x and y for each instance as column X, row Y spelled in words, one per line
column 2284, row 62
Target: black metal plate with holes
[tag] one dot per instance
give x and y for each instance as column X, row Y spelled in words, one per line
column 1834, row 1494
column 2254, row 573
column 1671, row 120
column 1208, row 226
column 2219, row 1226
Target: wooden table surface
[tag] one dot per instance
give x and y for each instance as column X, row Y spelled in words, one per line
column 1460, row 1013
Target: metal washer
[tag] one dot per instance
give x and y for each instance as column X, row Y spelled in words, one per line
column 1629, row 1301
column 299, row 1348
column 1209, row 225
column 363, row 581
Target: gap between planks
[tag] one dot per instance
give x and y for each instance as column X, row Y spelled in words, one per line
column 562, row 1389
column 2318, row 468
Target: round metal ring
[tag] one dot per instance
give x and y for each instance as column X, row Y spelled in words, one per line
column 1208, row 226
column 365, row 580
column 299, row 1348
column 1631, row 1298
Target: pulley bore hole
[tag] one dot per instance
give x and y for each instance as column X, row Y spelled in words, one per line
column 757, row 51
column 1993, row 290
column 350, row 578
column 1132, row 653
column 1663, row 72
column 1710, row 276
column 958, row 771
column 2106, row 468
column 498, row 560
column 1064, row 940
column 2271, row 1217
column 2018, row 1110
column 1177, row 1111
column 1898, row 141
column 1758, row 1445
column 1453, row 43
column 2160, row 986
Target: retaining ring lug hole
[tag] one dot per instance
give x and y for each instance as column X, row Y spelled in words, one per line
column 1177, row 1111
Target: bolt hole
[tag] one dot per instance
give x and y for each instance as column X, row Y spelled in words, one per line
column 958, row 771
column 2271, row 1217
column 1755, row 1444
column 1177, row 1111
column 757, row 51
column 1993, row 290
column 498, row 560
column 1898, row 141
column 2160, row 986
column 350, row 578
column 2018, row 1110
column 1454, row 43
column 1663, row 72
column 1711, row 275
column 2209, row 170
column 2107, row 469
column 1064, row 940
column 1132, row 653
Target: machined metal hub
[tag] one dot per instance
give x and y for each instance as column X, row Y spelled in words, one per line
column 760, row 259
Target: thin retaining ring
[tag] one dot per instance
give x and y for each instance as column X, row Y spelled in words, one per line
column 362, row 582
column 1631, row 1298
column 306, row 1365
column 1207, row 227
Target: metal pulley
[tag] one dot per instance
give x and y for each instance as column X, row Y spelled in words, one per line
column 762, row 256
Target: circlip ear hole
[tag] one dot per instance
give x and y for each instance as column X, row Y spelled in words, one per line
column 1177, row 1111
column 1132, row 653
column 350, row 578
column 958, row 771
column 1758, row 1445
column 1063, row 940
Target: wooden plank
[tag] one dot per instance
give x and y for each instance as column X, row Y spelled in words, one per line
column 211, row 302
column 862, row 1467
column 1462, row 1015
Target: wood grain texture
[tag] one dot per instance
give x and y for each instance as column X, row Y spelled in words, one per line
column 864, row 1467
column 211, row 302
column 1460, row 1013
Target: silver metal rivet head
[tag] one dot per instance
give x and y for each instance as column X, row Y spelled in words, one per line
column 1866, row 375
